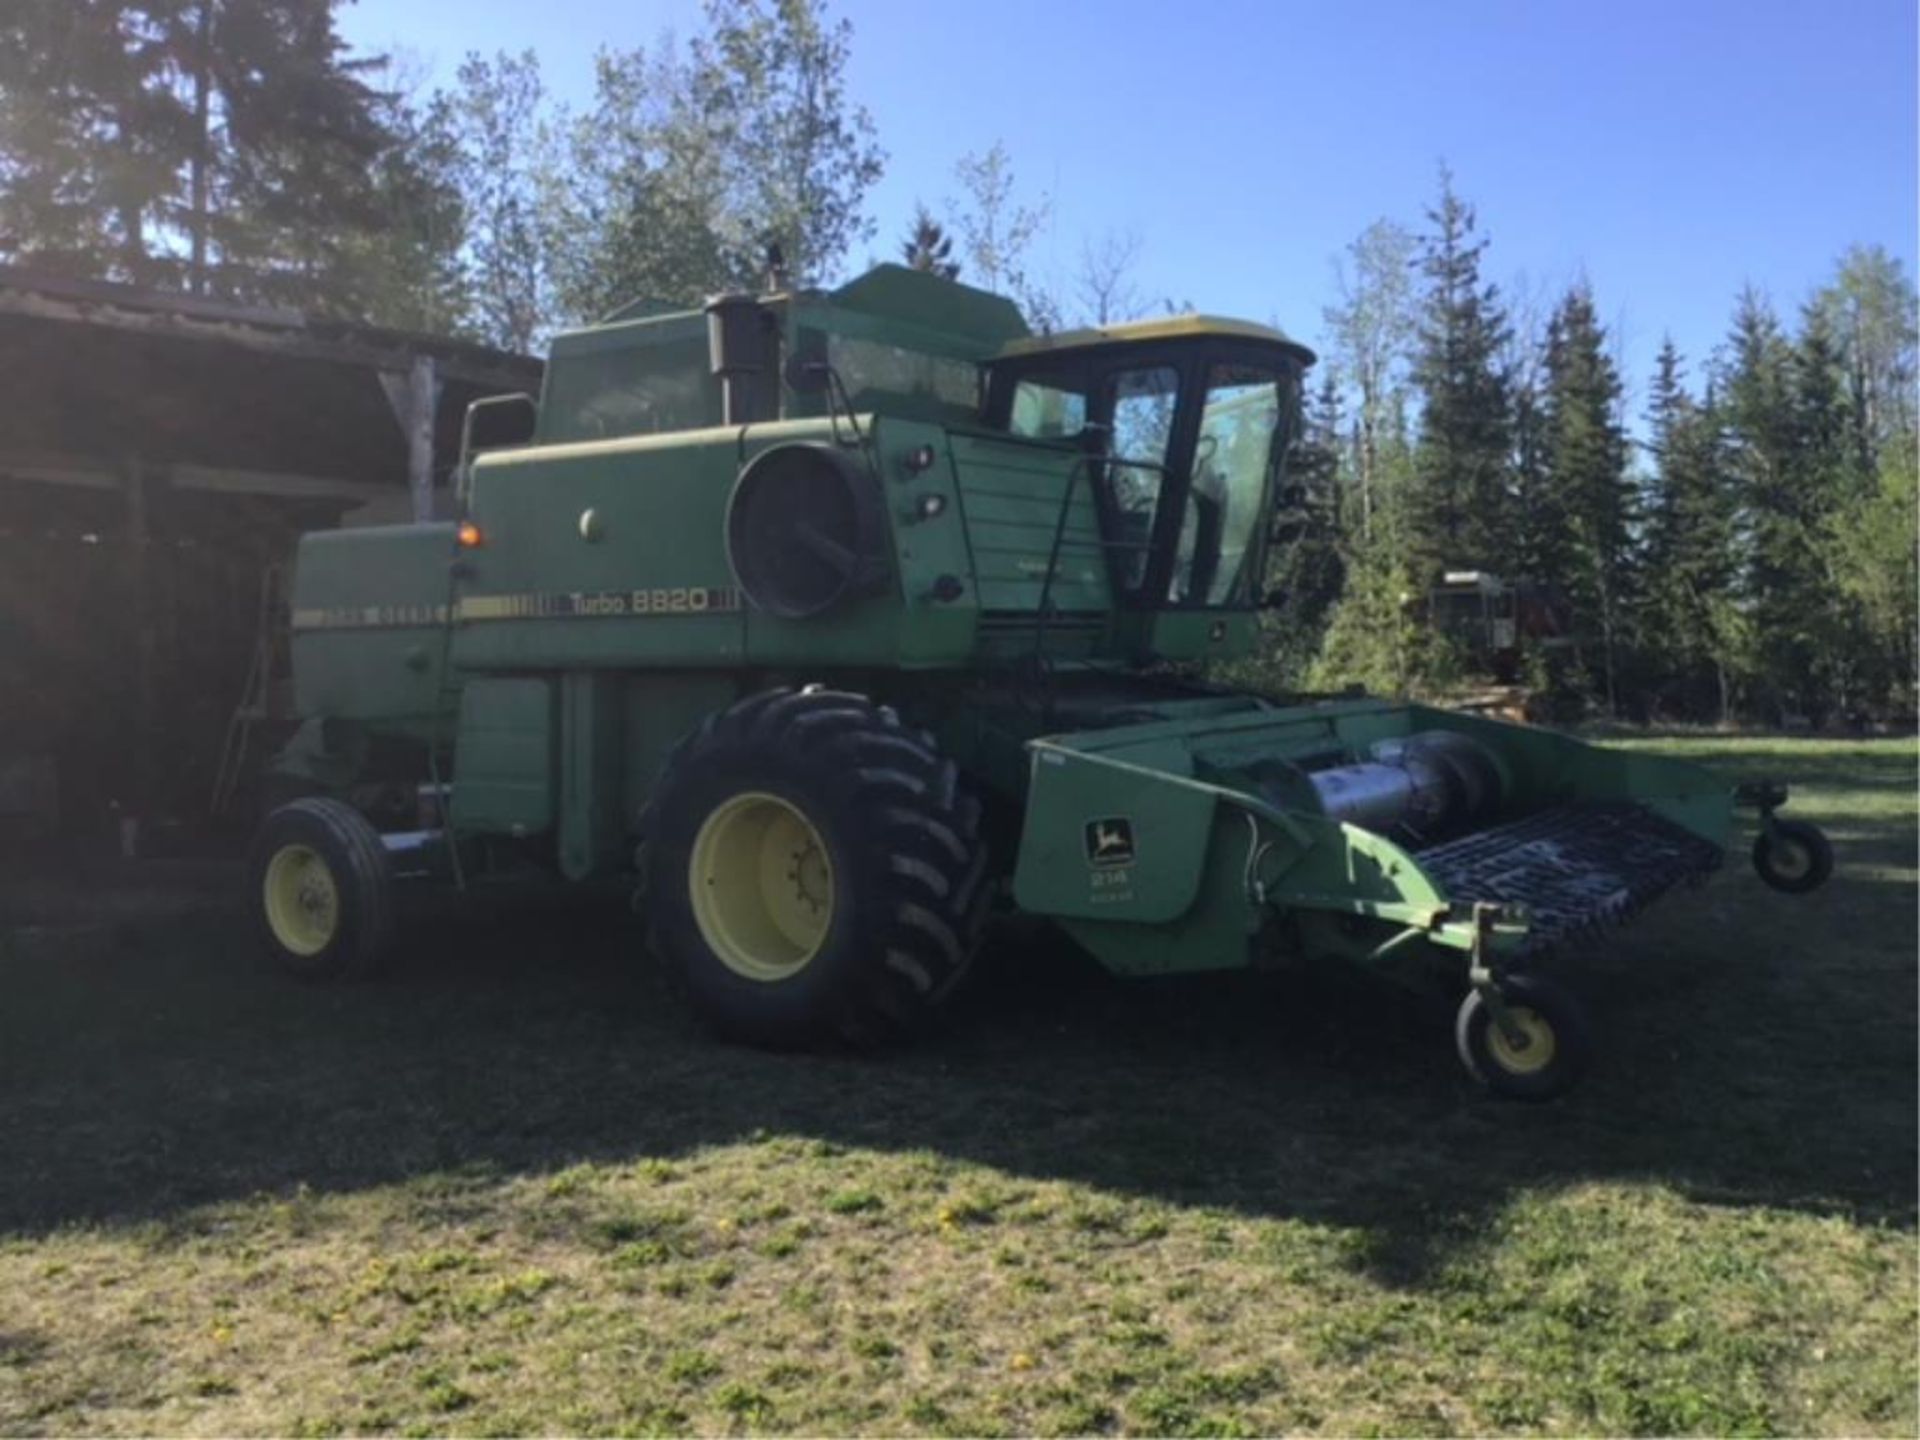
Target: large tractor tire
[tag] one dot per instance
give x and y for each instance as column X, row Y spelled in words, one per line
column 320, row 891
column 814, row 871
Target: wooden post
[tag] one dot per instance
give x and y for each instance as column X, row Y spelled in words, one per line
column 424, row 388
column 415, row 398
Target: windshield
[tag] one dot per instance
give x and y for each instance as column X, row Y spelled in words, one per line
column 1232, row 459
column 1180, row 444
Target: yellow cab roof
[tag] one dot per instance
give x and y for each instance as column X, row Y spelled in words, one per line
column 1170, row 327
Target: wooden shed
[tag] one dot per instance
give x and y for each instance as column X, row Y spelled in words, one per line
column 159, row 456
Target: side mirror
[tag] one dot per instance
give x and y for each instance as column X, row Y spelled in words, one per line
column 1274, row 598
column 493, row 422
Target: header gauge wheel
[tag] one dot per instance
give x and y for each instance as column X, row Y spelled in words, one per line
column 320, row 891
column 813, row 871
column 1793, row 856
column 1540, row 1052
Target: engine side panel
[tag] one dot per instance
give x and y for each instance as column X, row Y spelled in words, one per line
column 369, row 625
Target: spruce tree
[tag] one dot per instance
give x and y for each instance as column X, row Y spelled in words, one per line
column 1829, row 478
column 1588, row 496
column 93, row 138
column 1541, row 529
column 1771, row 420
column 1690, row 635
column 225, row 147
column 1459, row 505
column 928, row 247
column 1307, row 567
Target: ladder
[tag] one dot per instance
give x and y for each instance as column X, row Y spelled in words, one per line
column 257, row 693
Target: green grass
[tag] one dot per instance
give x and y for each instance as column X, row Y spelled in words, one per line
column 512, row 1188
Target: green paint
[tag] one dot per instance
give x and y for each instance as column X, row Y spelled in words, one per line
column 600, row 620
column 505, row 745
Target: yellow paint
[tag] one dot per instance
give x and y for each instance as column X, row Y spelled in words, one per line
column 1529, row 1059
column 302, row 901
column 1172, row 327
column 761, row 884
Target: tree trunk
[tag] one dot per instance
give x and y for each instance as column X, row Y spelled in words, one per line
column 202, row 161
column 1369, row 452
column 133, row 243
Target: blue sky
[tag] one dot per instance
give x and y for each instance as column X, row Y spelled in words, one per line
column 1670, row 153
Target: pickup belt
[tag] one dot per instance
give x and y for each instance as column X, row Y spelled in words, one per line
column 1575, row 868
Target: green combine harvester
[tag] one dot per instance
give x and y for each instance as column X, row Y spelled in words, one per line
column 833, row 618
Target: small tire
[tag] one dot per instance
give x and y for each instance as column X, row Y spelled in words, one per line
column 814, row 871
column 320, row 891
column 1793, row 856
column 1559, row 1040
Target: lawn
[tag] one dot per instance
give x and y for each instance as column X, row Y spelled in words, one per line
column 512, row 1187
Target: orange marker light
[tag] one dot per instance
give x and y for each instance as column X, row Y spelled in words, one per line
column 469, row 536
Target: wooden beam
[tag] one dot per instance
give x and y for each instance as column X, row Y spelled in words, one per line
column 92, row 473
column 267, row 333
column 266, row 482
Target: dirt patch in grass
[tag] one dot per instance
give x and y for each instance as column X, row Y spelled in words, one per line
column 512, row 1188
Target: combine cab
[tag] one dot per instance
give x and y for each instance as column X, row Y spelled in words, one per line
column 1492, row 620
column 831, row 618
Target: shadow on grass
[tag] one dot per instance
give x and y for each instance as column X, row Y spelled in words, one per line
column 1758, row 1050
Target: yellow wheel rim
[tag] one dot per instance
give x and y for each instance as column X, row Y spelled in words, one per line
column 1791, row 861
column 1528, row 1059
column 302, row 900
column 762, row 886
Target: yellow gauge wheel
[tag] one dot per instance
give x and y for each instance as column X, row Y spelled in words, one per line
column 302, row 900
column 761, row 883
column 1791, row 861
column 1528, row 1059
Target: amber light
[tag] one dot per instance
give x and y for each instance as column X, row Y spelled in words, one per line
column 470, row 536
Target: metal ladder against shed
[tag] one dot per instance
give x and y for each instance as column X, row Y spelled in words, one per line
column 256, row 694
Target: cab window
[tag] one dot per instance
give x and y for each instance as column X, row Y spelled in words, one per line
column 1144, row 402
column 1047, row 412
column 1232, row 458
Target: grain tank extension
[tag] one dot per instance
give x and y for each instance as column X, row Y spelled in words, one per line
column 834, row 619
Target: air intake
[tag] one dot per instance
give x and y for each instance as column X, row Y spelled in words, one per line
column 806, row 530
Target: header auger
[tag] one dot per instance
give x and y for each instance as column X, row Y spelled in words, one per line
column 832, row 618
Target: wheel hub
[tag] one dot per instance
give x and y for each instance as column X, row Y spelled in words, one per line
column 1528, row 1049
column 761, row 883
column 811, row 881
column 301, row 899
column 1791, row 860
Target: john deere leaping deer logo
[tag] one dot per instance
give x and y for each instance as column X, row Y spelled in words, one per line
column 1110, row 842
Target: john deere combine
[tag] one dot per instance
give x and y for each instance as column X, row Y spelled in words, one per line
column 831, row 617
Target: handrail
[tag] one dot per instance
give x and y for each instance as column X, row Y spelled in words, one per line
column 463, row 473
column 1045, row 604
